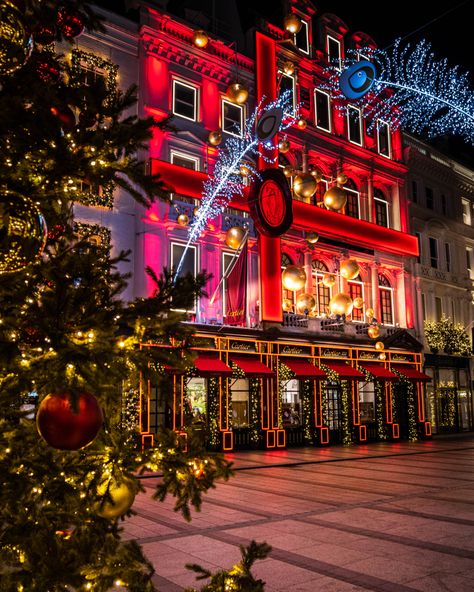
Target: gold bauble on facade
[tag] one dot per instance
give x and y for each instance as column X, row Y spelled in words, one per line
column 316, row 173
column 234, row 237
column 341, row 304
column 284, row 145
column 341, row 179
column 382, row 356
column 304, row 185
column 121, row 498
column 370, row 313
column 288, row 68
column 312, row 237
column 287, row 305
column 245, row 169
column 288, row 171
column 358, row 302
column 293, row 278
column 379, row 346
column 302, row 124
column 215, row 138
column 292, row 23
column 237, row 93
column 305, row 302
column 373, row 331
column 335, row 199
column 329, row 280
column 350, row 269
column 200, row 38
column 183, row 219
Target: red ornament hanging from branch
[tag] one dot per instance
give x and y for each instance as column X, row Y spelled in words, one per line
column 70, row 22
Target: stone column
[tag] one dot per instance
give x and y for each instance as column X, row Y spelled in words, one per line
column 395, row 208
column 400, row 299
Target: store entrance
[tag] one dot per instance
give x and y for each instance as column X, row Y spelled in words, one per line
column 334, row 413
column 400, row 408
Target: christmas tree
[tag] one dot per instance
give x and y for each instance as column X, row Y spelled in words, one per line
column 70, row 355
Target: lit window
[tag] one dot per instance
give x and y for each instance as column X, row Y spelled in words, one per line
column 367, row 402
column 466, row 211
column 334, row 52
column 429, row 198
column 352, row 207
column 232, row 118
column 321, row 293
column 228, row 262
column 301, row 39
column 185, row 100
column 184, row 160
column 291, row 404
column 240, row 403
column 189, row 264
column 386, row 300
column 381, row 209
column 322, row 110
column 433, row 252
column 354, row 125
column 356, row 290
column 383, row 138
column 196, row 399
column 288, row 83
column 318, row 197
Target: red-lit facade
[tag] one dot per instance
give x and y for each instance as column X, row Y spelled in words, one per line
column 278, row 377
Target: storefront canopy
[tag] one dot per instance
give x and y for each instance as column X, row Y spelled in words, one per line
column 209, row 365
column 303, row 369
column 252, row 366
column 345, row 371
column 379, row 371
column 412, row 373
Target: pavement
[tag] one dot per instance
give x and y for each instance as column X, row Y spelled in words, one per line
column 388, row 517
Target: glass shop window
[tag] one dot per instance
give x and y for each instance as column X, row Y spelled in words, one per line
column 291, row 404
column 196, row 398
column 367, row 402
column 240, row 403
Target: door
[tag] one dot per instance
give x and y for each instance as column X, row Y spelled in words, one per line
column 334, row 413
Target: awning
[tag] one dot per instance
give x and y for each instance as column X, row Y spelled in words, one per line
column 379, row 371
column 412, row 373
column 209, row 365
column 345, row 371
column 303, row 369
column 251, row 365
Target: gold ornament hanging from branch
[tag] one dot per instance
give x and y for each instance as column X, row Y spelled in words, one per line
column 293, row 278
column 121, row 499
column 341, row 304
column 302, row 124
column 335, row 199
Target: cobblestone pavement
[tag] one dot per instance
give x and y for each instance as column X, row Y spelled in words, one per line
column 385, row 517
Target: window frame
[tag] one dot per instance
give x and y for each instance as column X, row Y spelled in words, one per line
column 194, row 248
column 349, row 108
column 447, row 257
column 382, row 288
column 429, row 191
column 360, row 311
column 195, row 89
column 466, row 214
column 282, row 75
column 241, row 108
column 432, row 240
column 317, row 275
column 328, row 37
column 183, row 155
column 351, row 191
column 224, row 283
column 389, row 139
column 247, row 391
column 305, row 24
column 322, row 92
column 387, row 211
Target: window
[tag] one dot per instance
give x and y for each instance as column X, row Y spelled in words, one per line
column 438, row 308
column 322, row 293
column 466, row 211
column 354, row 125
column 414, row 191
column 444, row 205
column 322, row 110
column 184, row 160
column 227, row 262
column 386, row 300
column 334, row 52
column 433, row 252
column 196, row 399
column 301, row 39
column 291, row 404
column 367, row 402
column 185, row 100
column 469, row 261
column 356, row 290
column 240, row 403
column 288, row 295
column 287, row 83
column 232, row 118
column 429, row 198
column 418, row 236
column 189, row 264
column 352, row 207
column 447, row 253
column 318, row 197
column 383, row 138
column 381, row 209
column 334, row 410
column 423, row 305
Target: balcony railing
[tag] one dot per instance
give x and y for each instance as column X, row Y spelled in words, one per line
column 331, row 327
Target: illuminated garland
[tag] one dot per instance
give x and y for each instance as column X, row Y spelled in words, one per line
column 412, row 427
column 130, row 413
column 103, row 198
column 81, row 59
column 334, row 378
column 426, row 94
column 308, row 410
column 284, row 375
column 254, row 393
column 379, row 390
column 213, row 411
column 448, row 336
column 87, row 231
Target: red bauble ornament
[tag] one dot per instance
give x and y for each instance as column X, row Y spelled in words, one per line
column 66, row 117
column 48, row 71
column 61, row 427
column 71, row 22
column 44, row 33
column 56, row 231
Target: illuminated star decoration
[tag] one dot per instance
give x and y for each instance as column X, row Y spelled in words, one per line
column 226, row 182
column 424, row 94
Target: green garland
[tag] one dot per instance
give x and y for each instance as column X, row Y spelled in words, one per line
column 254, row 419
column 308, row 411
column 213, row 411
column 448, row 336
column 80, row 58
column 334, row 378
column 382, row 430
column 87, row 231
column 284, row 375
column 412, row 427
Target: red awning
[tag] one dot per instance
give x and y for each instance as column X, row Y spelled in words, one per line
column 379, row 371
column 209, row 365
column 303, row 369
column 345, row 371
column 412, row 373
column 251, row 365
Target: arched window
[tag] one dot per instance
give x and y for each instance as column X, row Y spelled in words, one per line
column 381, row 209
column 386, row 300
column 322, row 294
column 356, row 290
column 353, row 199
column 289, row 294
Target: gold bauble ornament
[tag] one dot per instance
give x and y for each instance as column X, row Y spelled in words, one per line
column 358, row 302
column 200, row 38
column 312, row 237
column 350, row 269
column 305, row 302
column 288, row 171
column 316, row 173
column 237, row 93
column 370, row 313
column 341, row 179
column 302, row 124
column 379, row 346
column 287, row 305
column 284, row 145
column 234, row 237
column 292, row 23
column 293, row 278
column 304, row 185
column 196, row 211
column 373, row 331
column 335, row 199
column 121, row 495
column 215, row 138
column 341, row 304
column 183, row 219
column 329, row 280
column 288, row 68
column 15, row 41
column 382, row 356
column 245, row 169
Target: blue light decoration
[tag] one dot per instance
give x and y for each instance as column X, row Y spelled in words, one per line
column 408, row 87
column 226, row 181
